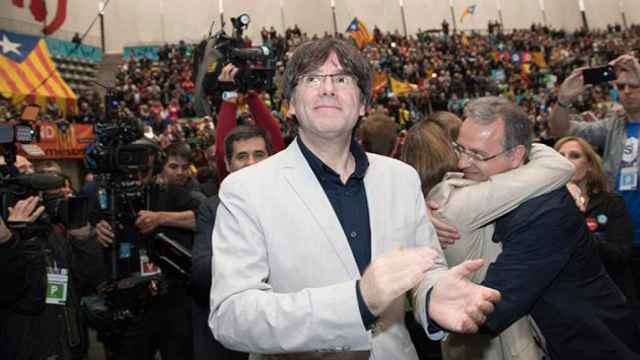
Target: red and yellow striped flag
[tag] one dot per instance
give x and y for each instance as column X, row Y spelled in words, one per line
column 27, row 72
column 359, row 33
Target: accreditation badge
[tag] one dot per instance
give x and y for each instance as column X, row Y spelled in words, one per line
column 629, row 179
column 57, row 286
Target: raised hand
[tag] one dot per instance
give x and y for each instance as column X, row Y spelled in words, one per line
column 459, row 305
column 629, row 64
column 572, row 86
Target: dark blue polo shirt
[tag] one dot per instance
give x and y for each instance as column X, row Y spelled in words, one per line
column 349, row 201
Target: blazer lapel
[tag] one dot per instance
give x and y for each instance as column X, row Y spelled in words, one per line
column 376, row 198
column 305, row 184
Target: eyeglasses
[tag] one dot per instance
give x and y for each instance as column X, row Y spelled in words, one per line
column 474, row 156
column 314, row 80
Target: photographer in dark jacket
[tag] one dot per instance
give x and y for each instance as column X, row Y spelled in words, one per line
column 40, row 316
column 165, row 324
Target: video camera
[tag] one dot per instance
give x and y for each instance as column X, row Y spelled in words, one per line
column 115, row 150
column 256, row 65
column 122, row 158
column 70, row 212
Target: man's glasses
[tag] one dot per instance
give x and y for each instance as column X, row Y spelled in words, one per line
column 314, row 80
column 472, row 155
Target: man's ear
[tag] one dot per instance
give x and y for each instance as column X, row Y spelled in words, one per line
column 292, row 107
column 226, row 164
column 518, row 156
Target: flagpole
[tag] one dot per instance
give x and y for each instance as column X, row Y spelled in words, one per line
column 221, row 11
column 544, row 14
column 624, row 15
column 101, row 15
column 499, row 6
column 282, row 16
column 404, row 20
column 333, row 14
column 453, row 15
column 585, row 23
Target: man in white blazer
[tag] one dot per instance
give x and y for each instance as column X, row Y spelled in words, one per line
column 315, row 248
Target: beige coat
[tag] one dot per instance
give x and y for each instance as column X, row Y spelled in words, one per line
column 472, row 207
column 284, row 275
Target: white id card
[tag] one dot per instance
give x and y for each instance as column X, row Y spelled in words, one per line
column 629, row 179
column 57, row 288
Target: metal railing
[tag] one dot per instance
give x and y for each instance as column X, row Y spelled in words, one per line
column 31, row 28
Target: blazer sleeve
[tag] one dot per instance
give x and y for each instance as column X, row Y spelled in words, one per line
column 536, row 248
column 201, row 253
column 247, row 315
column 482, row 203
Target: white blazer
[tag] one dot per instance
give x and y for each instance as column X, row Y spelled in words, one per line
column 284, row 274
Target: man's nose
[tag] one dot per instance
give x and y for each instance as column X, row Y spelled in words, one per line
column 463, row 161
column 327, row 85
column 252, row 160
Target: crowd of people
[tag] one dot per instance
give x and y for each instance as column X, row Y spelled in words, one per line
column 372, row 199
column 448, row 69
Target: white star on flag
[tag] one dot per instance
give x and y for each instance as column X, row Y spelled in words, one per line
column 8, row 46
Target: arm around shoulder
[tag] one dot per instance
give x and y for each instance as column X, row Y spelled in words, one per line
column 482, row 203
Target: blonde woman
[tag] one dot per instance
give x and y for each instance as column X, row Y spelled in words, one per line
column 605, row 212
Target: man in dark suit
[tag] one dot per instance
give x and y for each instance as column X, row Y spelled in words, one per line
column 248, row 145
column 549, row 266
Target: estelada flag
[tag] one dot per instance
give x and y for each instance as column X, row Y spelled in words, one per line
column 400, row 88
column 469, row 10
column 27, row 72
column 359, row 33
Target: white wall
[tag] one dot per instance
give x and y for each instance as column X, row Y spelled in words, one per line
column 135, row 22
column 518, row 14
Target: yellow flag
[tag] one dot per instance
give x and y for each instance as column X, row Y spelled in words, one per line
column 538, row 59
column 380, row 81
column 400, row 88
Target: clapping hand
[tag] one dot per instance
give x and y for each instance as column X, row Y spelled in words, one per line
column 459, row 305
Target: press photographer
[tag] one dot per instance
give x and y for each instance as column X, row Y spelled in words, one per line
column 254, row 66
column 46, row 265
column 139, row 220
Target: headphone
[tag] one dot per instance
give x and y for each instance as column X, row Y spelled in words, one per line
column 156, row 151
column 158, row 162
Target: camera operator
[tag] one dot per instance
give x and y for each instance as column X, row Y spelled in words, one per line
column 227, row 118
column 176, row 167
column 23, row 165
column 40, row 317
column 12, row 267
column 165, row 324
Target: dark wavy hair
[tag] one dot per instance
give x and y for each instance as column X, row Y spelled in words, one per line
column 312, row 54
